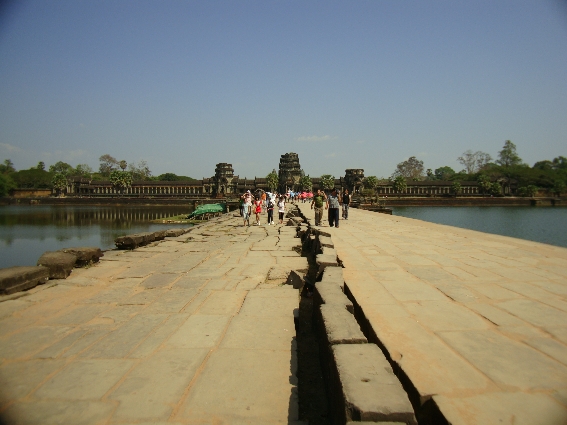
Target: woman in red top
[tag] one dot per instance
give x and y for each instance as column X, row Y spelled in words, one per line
column 257, row 210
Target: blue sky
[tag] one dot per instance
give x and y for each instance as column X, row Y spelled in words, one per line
column 345, row 84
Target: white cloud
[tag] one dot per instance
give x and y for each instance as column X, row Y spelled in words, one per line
column 313, row 138
column 9, row 148
column 331, row 155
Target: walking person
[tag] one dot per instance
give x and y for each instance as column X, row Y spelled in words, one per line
column 247, row 207
column 333, row 205
column 317, row 203
column 270, row 209
column 258, row 209
column 346, row 203
column 281, row 208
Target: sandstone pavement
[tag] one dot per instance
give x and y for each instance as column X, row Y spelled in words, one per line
column 188, row 330
column 478, row 322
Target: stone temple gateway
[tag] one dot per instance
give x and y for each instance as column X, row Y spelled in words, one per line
column 225, row 184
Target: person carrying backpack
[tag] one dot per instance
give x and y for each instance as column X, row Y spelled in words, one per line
column 270, row 209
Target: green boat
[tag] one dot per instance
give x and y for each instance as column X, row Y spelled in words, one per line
column 207, row 209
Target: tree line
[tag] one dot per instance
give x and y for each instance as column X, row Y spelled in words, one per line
column 119, row 172
column 492, row 175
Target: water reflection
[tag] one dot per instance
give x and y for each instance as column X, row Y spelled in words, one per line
column 539, row 224
column 26, row 232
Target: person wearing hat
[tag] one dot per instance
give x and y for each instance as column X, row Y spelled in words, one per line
column 247, row 207
column 333, row 205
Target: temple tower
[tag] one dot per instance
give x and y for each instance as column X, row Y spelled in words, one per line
column 353, row 179
column 289, row 172
column 223, row 179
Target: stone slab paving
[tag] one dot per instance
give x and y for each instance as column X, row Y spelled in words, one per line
column 187, row 330
column 478, row 322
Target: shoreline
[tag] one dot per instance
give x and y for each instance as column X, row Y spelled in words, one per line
column 233, row 204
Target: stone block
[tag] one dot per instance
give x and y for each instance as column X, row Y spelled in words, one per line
column 173, row 233
column 325, row 241
column 20, row 278
column 323, row 261
column 85, row 255
column 60, row 264
column 334, row 275
column 295, row 279
column 370, row 390
column 332, row 294
column 331, row 252
column 340, row 326
column 292, row 221
column 159, row 235
column 134, row 241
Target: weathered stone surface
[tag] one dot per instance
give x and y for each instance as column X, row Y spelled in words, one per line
column 85, row 380
column 332, row 294
column 60, row 264
column 152, row 389
column 334, row 275
column 85, row 255
column 20, row 278
column 331, row 252
column 173, row 233
column 254, row 383
column 340, row 326
column 323, row 261
column 371, row 391
column 135, row 240
column 503, row 408
column 325, row 241
column 507, row 362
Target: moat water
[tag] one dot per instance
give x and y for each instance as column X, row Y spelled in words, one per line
column 26, row 232
column 538, row 224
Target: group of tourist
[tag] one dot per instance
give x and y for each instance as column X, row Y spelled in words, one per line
column 332, row 203
column 267, row 201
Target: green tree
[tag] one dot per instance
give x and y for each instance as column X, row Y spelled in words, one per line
column 444, row 173
column 120, row 180
column 529, row 190
column 7, row 167
column 107, row 165
column 168, row 177
column 40, row 165
column 123, row 164
column 400, row 184
column 484, row 183
column 560, row 163
column 32, row 179
column 6, row 184
column 456, row 188
column 370, row 182
column 327, row 181
column 495, row 189
column 411, row 169
column 305, row 183
column 59, row 182
column 543, row 165
column 508, row 156
column 61, row 167
column 272, row 181
column 558, row 187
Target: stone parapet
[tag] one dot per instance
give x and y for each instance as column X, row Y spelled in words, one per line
column 21, row 278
